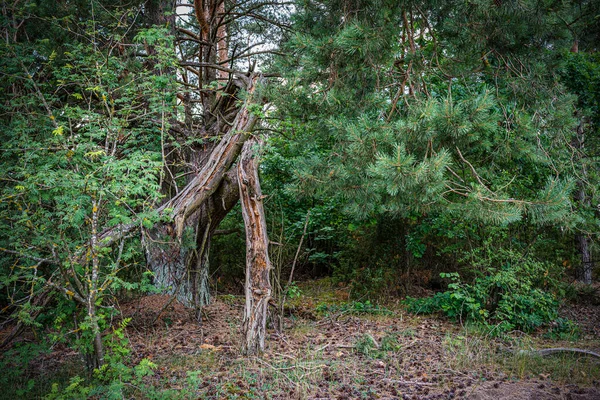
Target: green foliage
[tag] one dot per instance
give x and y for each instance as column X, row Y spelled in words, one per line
column 293, row 291
column 514, row 291
column 14, row 363
column 76, row 389
column 427, row 137
column 115, row 378
column 368, row 346
column 563, row 329
column 404, row 141
column 82, row 152
column 129, row 380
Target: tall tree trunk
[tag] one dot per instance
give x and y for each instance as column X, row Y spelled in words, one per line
column 584, row 272
column 97, row 359
column 258, row 265
column 222, row 46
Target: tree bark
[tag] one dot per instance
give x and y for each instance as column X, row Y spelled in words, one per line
column 258, row 265
column 201, row 187
column 97, row 359
column 181, row 266
column 177, row 252
column 222, row 46
column 584, row 273
column 582, row 240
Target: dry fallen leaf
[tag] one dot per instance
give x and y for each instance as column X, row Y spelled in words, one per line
column 207, row 346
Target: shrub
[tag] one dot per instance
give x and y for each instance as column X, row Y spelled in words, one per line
column 514, row 291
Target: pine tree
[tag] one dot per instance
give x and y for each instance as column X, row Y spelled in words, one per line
column 422, row 106
column 418, row 112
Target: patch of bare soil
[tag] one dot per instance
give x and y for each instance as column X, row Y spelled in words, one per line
column 586, row 313
column 586, row 316
column 160, row 326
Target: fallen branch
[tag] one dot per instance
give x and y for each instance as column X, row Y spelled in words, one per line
column 556, row 350
column 551, row 351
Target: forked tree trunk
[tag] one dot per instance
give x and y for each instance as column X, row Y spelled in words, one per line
column 181, row 267
column 177, row 251
column 258, row 265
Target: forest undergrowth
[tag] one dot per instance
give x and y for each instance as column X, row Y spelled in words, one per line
column 330, row 348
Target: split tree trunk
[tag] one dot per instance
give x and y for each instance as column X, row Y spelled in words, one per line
column 178, row 251
column 258, row 265
column 181, row 266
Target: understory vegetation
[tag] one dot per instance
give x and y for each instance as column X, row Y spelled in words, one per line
column 299, row 199
column 331, row 347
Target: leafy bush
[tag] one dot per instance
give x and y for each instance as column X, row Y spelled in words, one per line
column 514, row 292
column 117, row 378
column 14, row 364
column 107, row 386
column 563, row 329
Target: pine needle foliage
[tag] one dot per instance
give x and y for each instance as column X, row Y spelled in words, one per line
column 404, row 107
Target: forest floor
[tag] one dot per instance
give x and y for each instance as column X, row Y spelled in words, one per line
column 332, row 349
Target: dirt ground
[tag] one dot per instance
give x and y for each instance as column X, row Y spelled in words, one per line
column 349, row 355
column 343, row 356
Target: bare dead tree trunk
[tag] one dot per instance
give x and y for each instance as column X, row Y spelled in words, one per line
column 258, row 265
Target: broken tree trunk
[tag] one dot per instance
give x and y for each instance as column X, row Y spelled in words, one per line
column 258, row 265
column 221, row 158
column 180, row 267
column 178, row 252
column 182, row 206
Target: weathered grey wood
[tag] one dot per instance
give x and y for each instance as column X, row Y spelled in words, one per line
column 258, row 264
column 548, row 352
